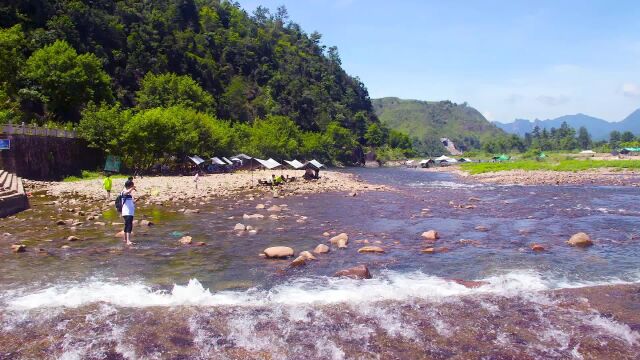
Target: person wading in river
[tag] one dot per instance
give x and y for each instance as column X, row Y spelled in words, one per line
column 128, row 209
column 107, row 183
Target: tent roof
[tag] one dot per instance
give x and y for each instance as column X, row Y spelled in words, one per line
column 445, row 158
column 217, row 161
column 269, row 164
column 242, row 157
column 295, row 164
column 314, row 164
column 196, row 159
column 227, row 160
column 424, row 161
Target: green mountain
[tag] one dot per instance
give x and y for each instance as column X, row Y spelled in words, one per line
column 252, row 65
column 428, row 121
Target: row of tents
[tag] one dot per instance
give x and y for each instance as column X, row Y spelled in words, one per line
column 246, row 162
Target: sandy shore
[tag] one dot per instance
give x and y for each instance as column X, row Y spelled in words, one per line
column 163, row 189
column 543, row 177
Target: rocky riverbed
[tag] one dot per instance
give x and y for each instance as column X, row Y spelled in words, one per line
column 605, row 177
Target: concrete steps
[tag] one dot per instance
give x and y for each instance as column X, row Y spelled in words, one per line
column 13, row 199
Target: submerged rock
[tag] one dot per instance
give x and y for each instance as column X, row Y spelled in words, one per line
column 278, row 252
column 470, row 283
column 239, row 227
column 430, row 235
column 275, row 208
column 307, row 255
column 186, row 240
column 371, row 249
column 253, row 216
column 299, row 261
column 428, row 250
column 481, row 228
column 537, row 247
column 356, row 272
column 18, row 248
column 321, row 249
column 260, row 206
column 73, row 238
column 580, row 239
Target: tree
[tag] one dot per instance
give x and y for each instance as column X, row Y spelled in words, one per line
column 275, row 136
column 626, row 136
column 614, row 139
column 66, row 81
column 167, row 90
column 11, row 57
column 103, row 127
column 584, row 138
column 374, row 136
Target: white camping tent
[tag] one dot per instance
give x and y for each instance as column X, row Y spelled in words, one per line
column 295, row 164
column 315, row 164
column 269, row 164
column 227, row 160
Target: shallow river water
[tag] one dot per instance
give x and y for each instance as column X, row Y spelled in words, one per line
column 164, row 300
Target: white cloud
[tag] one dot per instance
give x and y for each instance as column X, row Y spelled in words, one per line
column 631, row 90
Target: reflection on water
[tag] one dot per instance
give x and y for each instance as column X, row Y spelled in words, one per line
column 234, row 304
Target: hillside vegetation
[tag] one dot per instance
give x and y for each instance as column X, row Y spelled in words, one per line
column 187, row 69
column 428, row 121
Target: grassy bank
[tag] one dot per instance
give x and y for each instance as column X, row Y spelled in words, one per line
column 90, row 175
column 560, row 165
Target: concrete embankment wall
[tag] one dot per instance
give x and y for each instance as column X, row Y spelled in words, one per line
column 47, row 157
column 13, row 199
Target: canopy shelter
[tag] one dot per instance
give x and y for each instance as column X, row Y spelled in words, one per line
column 542, row 155
column 196, row 159
column 502, row 157
column 446, row 159
column 268, row 164
column 462, row 160
column 312, row 169
column 629, row 150
column 295, row 164
column 229, row 162
column 425, row 163
column 217, row 161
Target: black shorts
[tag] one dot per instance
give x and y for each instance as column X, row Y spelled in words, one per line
column 128, row 223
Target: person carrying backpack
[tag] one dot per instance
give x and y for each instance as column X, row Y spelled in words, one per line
column 128, row 209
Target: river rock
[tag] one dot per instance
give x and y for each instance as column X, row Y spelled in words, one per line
column 338, row 238
column 274, row 208
column 73, row 238
column 253, row 216
column 428, row 250
column 430, row 235
column 307, row 255
column 201, row 243
column 481, row 228
column 321, row 249
column 99, row 223
column 371, row 249
column 357, row 272
column 18, row 248
column 580, row 239
column 278, row 252
column 186, row 240
column 61, row 222
column 239, row 227
column 260, row 206
column 326, row 234
column 299, row 261
column 146, row 223
column 537, row 247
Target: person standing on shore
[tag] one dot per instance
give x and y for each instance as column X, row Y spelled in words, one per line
column 107, row 183
column 128, row 210
column 196, row 177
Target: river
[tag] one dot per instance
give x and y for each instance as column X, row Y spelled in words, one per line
column 164, row 300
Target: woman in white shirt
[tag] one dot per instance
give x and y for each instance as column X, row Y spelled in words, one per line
column 128, row 210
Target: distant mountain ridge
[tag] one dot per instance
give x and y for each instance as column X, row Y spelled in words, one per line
column 598, row 128
column 461, row 123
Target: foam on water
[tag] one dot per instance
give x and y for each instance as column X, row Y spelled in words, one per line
column 449, row 185
column 389, row 285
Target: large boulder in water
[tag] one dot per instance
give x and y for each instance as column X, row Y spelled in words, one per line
column 357, row 272
column 278, row 252
column 580, row 239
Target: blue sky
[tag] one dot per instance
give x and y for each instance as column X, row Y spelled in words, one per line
column 509, row 59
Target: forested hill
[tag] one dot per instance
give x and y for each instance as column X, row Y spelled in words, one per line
column 429, row 120
column 252, row 65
